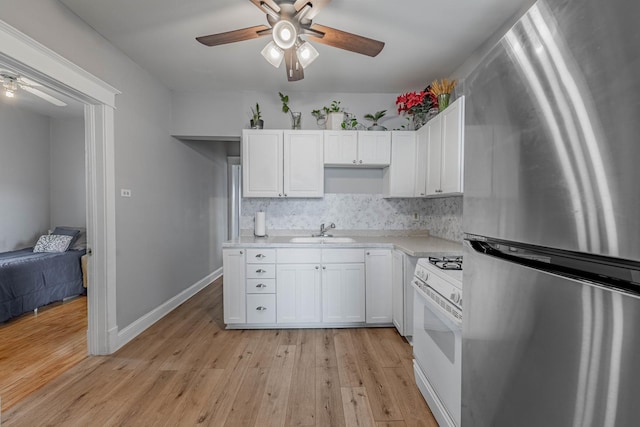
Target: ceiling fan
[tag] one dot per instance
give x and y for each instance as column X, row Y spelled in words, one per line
column 288, row 21
column 12, row 82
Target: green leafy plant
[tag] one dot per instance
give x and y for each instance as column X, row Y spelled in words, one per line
column 285, row 103
column 350, row 124
column 375, row 117
column 256, row 113
column 334, row 107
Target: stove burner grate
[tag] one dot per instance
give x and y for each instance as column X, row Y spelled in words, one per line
column 447, row 262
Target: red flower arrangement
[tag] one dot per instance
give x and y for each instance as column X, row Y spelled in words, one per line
column 417, row 102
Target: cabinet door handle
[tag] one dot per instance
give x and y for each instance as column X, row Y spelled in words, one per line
column 285, row 194
column 280, row 195
column 261, row 271
column 422, row 194
column 317, row 267
column 241, row 252
column 261, row 285
column 324, row 267
column 260, row 256
column 360, row 161
column 354, row 161
column 261, row 308
column 368, row 253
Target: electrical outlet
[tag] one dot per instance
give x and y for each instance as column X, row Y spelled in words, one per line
column 125, row 192
column 416, row 216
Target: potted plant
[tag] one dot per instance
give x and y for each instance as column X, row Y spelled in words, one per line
column 417, row 105
column 375, row 118
column 321, row 116
column 350, row 122
column 296, row 117
column 335, row 116
column 256, row 118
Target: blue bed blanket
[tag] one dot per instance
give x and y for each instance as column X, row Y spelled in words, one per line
column 30, row 280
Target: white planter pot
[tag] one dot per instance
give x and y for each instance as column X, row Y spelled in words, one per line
column 334, row 121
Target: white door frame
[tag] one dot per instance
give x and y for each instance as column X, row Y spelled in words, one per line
column 40, row 63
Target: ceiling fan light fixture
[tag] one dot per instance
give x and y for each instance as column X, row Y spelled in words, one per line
column 306, row 54
column 284, row 34
column 9, row 93
column 273, row 54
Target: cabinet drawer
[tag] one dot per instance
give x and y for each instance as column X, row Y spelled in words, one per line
column 261, row 271
column 261, row 256
column 261, row 286
column 342, row 255
column 261, row 308
column 298, row 256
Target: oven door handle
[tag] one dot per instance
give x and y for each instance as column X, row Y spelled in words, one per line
column 449, row 320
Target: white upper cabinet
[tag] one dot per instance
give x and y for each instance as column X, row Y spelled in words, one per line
column 278, row 163
column 262, row 163
column 439, row 153
column 341, row 147
column 374, row 148
column 357, row 148
column 398, row 179
column 452, row 147
column 303, row 164
column 434, row 155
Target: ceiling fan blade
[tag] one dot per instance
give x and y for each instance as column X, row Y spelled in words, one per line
column 29, row 82
column 233, row 36
column 293, row 68
column 347, row 41
column 316, row 6
column 45, row 96
column 272, row 4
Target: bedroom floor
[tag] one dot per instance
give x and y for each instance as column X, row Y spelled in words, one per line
column 188, row 370
column 34, row 349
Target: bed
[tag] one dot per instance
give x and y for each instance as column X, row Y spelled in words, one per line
column 29, row 280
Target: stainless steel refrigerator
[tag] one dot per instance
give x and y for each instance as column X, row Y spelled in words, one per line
column 551, row 330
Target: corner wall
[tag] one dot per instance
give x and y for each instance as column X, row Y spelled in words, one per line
column 24, row 176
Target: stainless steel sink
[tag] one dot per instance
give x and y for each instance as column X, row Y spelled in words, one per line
column 325, row 239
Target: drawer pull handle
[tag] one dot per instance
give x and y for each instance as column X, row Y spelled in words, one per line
column 317, row 267
column 261, row 308
column 241, row 252
column 260, row 256
column 261, row 285
column 261, row 271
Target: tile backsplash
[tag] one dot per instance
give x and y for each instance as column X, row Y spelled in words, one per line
column 442, row 217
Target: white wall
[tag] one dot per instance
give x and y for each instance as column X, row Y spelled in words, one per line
column 163, row 231
column 24, row 176
column 224, row 114
column 68, row 189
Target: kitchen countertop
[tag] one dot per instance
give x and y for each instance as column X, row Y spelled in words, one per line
column 415, row 246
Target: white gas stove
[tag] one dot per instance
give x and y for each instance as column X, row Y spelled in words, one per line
column 437, row 335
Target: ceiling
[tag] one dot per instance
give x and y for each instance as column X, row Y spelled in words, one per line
column 425, row 39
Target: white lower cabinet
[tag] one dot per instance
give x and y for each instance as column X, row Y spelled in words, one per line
column 298, row 293
column 261, row 308
column 233, row 286
column 379, row 291
column 306, row 286
column 397, row 290
column 343, row 293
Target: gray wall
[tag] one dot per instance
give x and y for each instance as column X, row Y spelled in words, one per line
column 24, row 176
column 164, row 230
column 214, row 113
column 68, row 189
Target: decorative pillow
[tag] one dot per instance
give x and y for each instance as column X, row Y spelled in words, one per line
column 81, row 241
column 68, row 231
column 52, row 243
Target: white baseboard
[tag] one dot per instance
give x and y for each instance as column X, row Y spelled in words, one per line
column 140, row 325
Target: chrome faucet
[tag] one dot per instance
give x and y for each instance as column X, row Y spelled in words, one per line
column 323, row 230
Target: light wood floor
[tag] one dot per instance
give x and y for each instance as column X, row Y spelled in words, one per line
column 35, row 348
column 187, row 370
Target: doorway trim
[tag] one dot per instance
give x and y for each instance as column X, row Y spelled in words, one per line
column 36, row 61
